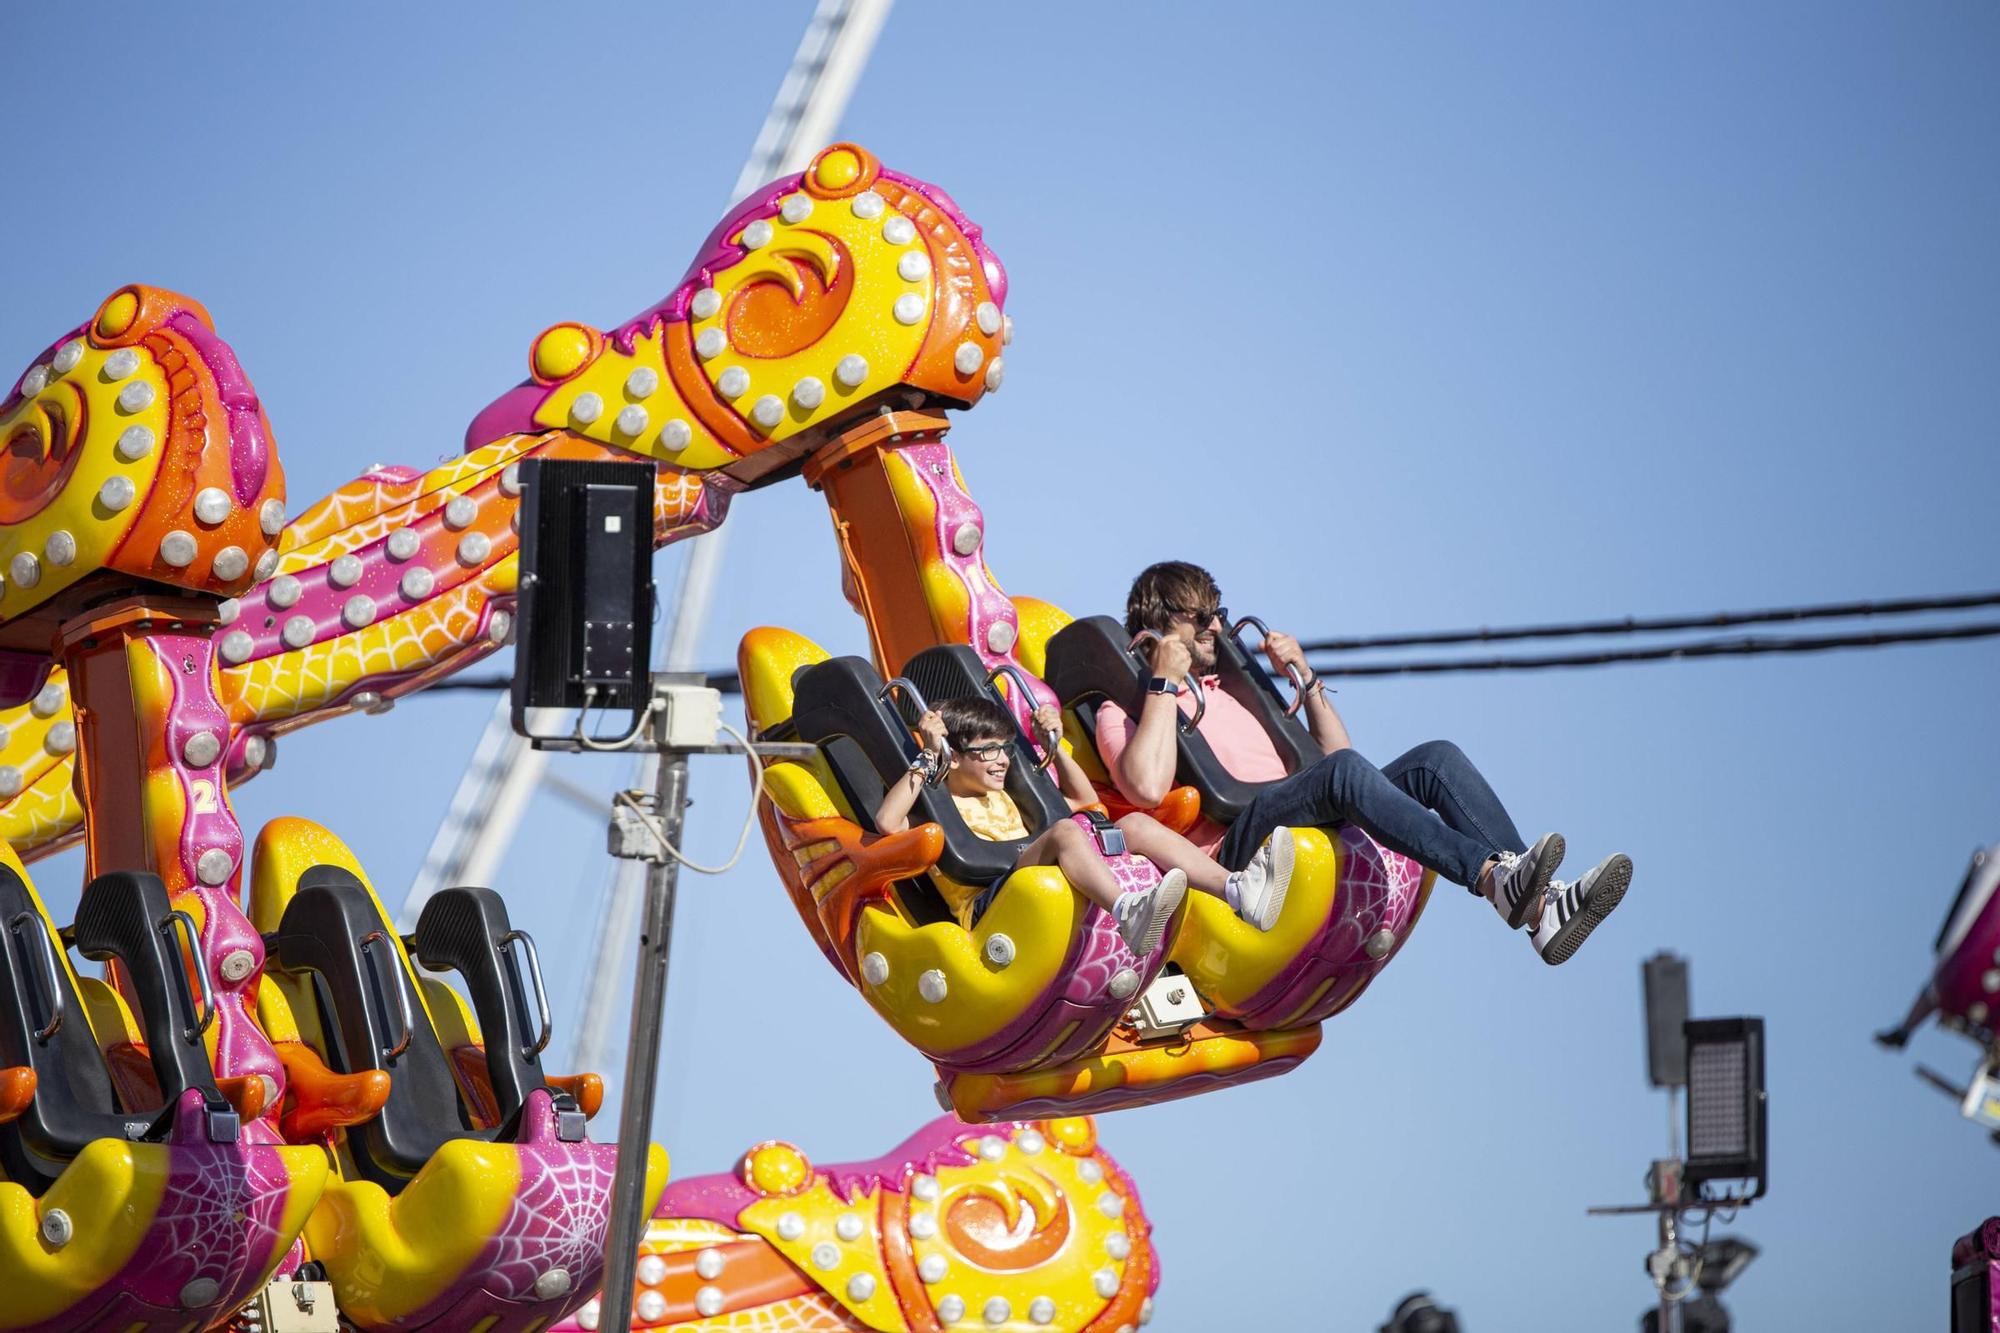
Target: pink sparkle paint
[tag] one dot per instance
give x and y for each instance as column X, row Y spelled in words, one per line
column 241, row 1047
column 934, row 467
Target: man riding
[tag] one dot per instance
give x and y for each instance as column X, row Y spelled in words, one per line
column 1429, row 804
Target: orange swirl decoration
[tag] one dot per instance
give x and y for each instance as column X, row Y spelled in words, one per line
column 1020, row 1227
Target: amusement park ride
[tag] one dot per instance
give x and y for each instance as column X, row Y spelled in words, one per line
column 272, row 1107
column 1963, row 993
column 266, row 1082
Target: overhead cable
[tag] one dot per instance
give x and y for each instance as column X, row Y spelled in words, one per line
column 1660, row 624
column 1749, row 646
column 1744, row 647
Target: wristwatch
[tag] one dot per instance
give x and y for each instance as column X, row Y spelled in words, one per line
column 1162, row 685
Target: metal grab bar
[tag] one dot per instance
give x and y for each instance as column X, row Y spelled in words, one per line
column 886, row 697
column 394, row 987
column 1027, row 692
column 1291, row 668
column 1188, row 721
column 49, row 974
column 888, row 692
column 206, row 1014
column 527, row 943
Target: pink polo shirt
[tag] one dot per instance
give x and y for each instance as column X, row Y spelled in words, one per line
column 1230, row 729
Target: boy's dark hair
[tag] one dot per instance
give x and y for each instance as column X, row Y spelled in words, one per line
column 975, row 719
column 1171, row 583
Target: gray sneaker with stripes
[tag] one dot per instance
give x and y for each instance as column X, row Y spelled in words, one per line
column 1517, row 885
column 1574, row 910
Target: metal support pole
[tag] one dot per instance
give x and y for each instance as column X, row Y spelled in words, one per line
column 1669, row 1244
column 642, row 1054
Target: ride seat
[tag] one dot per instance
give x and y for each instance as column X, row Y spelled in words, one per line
column 123, row 915
column 1090, row 662
column 373, row 1018
column 838, row 706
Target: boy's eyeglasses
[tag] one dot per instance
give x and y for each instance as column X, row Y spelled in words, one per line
column 984, row 754
column 1200, row 615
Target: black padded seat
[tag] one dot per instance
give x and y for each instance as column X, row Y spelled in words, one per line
column 1089, row 663
column 363, row 1000
column 122, row 915
column 837, row 705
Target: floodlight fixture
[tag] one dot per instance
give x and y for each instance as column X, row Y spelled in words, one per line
column 585, row 611
column 1727, row 1114
column 1721, row 1261
column 1665, row 977
column 1418, row 1313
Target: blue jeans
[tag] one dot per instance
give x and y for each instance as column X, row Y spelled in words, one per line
column 1431, row 805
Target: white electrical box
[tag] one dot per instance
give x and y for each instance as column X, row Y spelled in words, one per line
column 628, row 837
column 1167, row 1007
column 287, row 1306
column 691, row 715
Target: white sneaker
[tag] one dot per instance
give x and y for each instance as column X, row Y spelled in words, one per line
column 1519, row 881
column 1574, row 910
column 1143, row 916
column 1257, row 891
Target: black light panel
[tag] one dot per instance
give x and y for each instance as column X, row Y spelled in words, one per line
column 585, row 612
column 1666, row 982
column 1726, row 1109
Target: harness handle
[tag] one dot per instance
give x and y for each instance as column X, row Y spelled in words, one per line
column 394, row 986
column 1020, row 680
column 203, row 1017
column 527, row 943
column 54, row 996
column 886, row 696
column 1191, row 721
column 1291, row 668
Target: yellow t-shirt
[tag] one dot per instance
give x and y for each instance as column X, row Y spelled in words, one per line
column 992, row 815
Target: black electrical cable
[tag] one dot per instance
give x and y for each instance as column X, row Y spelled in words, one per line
column 1658, row 624
column 726, row 681
column 729, row 683
column 1746, row 647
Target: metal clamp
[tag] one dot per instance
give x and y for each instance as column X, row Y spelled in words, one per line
column 1300, row 685
column 54, row 997
column 206, row 1014
column 527, row 943
column 393, row 986
column 1027, row 692
column 1190, row 721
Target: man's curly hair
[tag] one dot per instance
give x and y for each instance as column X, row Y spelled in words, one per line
column 1171, row 583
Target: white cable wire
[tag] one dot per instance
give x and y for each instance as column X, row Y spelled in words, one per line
column 605, row 746
column 659, row 832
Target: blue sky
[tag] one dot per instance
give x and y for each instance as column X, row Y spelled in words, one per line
column 1398, row 317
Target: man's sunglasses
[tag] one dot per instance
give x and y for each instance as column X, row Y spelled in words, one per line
column 1199, row 615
